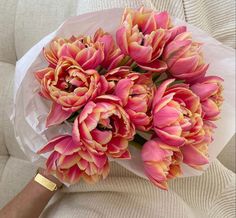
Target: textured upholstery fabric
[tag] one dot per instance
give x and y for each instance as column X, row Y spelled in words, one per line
column 123, row 194
column 22, row 24
column 7, row 30
column 227, row 156
column 6, row 129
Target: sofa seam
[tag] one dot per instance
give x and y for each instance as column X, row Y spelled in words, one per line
column 14, row 34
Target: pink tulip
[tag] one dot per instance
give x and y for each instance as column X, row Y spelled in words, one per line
column 163, row 21
column 70, row 161
column 141, row 40
column 149, row 20
column 115, row 75
column 184, row 58
column 177, row 115
column 103, row 126
column 112, row 54
column 87, row 53
column 143, row 35
column 196, row 154
column 69, row 87
column 209, row 89
column 136, row 92
column 51, row 52
column 161, row 162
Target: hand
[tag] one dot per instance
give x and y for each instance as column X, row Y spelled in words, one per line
column 31, row 201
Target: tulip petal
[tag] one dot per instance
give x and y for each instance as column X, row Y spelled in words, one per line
column 151, row 151
column 121, row 39
column 122, row 90
column 102, row 137
column 166, row 116
column 39, row 75
column 162, row 20
column 174, row 50
column 176, row 31
column 86, row 111
column 67, row 146
column 161, row 90
column 184, row 65
column 51, row 144
column 51, row 161
column 99, row 160
column 204, row 91
column 73, row 175
column 160, row 184
column 65, row 162
column 126, row 155
column 75, row 131
column 195, row 75
column 156, row 66
column 57, row 115
column 155, row 171
column 210, row 109
column 193, row 157
column 170, row 139
column 141, row 54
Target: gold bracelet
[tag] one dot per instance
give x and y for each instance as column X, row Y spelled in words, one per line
column 48, row 184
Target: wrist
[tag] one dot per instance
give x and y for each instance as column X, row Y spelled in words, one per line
column 49, row 176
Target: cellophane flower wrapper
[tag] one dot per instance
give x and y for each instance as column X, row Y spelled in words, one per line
column 30, row 111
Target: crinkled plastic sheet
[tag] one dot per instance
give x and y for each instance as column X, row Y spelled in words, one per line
column 30, row 110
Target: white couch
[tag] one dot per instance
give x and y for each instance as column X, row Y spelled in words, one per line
column 24, row 22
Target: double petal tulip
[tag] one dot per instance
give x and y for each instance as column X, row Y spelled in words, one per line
column 115, row 75
column 112, row 54
column 136, row 92
column 177, row 115
column 103, row 126
column 163, row 20
column 196, row 154
column 149, row 20
column 161, row 162
column 70, row 161
column 184, row 58
column 69, row 87
column 143, row 35
column 209, row 89
column 87, row 53
column 139, row 39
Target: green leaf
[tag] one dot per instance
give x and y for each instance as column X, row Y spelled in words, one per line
column 160, row 79
column 124, row 61
column 177, row 82
column 72, row 118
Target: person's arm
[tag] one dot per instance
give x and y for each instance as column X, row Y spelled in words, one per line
column 31, row 201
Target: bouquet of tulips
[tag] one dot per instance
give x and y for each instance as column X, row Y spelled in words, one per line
column 144, row 86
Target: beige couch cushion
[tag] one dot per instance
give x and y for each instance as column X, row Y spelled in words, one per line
column 35, row 19
column 22, row 24
column 8, row 143
column 7, row 30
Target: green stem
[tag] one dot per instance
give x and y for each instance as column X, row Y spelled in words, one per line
column 124, row 60
column 133, row 65
column 103, row 71
column 98, row 68
column 136, row 145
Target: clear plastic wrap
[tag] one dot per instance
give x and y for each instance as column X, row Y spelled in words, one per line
column 30, row 110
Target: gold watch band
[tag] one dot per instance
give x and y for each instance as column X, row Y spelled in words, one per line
column 48, row 184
